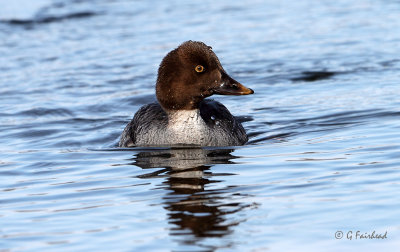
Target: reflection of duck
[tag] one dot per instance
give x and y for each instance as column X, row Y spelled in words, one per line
column 183, row 164
column 187, row 75
column 194, row 209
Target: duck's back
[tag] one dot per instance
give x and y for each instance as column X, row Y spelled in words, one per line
column 216, row 127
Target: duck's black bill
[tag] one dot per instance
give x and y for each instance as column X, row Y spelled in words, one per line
column 230, row 86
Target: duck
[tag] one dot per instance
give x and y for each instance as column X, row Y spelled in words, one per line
column 183, row 116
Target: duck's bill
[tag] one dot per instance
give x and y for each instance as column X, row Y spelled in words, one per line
column 230, row 86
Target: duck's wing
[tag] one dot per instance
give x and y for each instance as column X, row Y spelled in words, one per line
column 148, row 116
column 215, row 114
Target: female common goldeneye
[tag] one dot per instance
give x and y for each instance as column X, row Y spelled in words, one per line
column 182, row 116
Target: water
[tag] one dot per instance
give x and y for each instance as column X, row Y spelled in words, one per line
column 323, row 155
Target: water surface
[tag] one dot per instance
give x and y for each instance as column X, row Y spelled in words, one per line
column 323, row 155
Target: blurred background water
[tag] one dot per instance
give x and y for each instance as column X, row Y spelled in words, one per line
column 323, row 155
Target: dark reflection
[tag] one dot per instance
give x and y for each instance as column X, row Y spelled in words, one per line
column 196, row 210
column 314, row 75
column 49, row 19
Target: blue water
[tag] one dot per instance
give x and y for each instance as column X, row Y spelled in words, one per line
column 324, row 149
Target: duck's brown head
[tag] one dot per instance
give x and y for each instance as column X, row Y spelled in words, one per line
column 191, row 73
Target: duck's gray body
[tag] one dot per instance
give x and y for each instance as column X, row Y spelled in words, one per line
column 210, row 125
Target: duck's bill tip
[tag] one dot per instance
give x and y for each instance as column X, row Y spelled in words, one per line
column 248, row 91
column 233, row 89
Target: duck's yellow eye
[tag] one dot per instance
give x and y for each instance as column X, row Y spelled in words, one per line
column 199, row 68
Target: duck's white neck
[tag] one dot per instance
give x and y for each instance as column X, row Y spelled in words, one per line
column 178, row 117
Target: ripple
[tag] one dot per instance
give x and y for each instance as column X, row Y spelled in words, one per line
column 315, row 75
column 329, row 122
column 41, row 111
column 50, row 19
